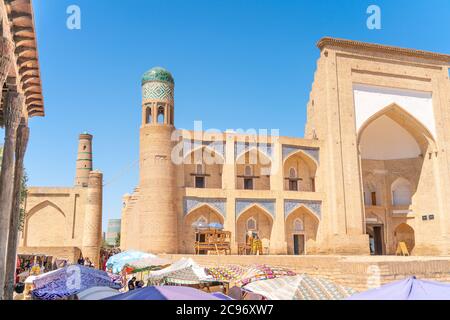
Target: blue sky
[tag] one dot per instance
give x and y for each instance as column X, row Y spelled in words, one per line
column 237, row 64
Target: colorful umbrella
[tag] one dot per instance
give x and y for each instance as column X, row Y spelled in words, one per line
column 97, row 293
column 216, row 226
column 301, row 287
column 69, row 281
column 241, row 275
column 145, row 264
column 408, row 289
column 117, row 262
column 182, row 272
column 165, row 293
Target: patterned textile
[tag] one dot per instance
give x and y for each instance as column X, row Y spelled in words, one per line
column 302, row 287
column 69, row 281
column 242, row 276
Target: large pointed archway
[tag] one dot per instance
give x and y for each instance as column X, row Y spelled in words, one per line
column 394, row 147
column 204, row 214
column 301, row 227
column 256, row 220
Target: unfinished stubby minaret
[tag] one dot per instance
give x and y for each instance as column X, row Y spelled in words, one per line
column 156, row 206
column 84, row 160
column 92, row 230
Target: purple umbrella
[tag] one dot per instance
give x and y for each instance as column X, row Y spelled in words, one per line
column 408, row 289
column 165, row 293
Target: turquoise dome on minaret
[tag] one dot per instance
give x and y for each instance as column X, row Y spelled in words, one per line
column 158, row 74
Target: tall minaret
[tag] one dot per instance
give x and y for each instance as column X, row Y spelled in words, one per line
column 84, row 160
column 157, row 214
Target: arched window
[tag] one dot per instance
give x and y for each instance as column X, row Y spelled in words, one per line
column 248, row 171
column 200, row 176
column 293, row 181
column 161, row 115
column 248, row 180
column 202, row 220
column 251, row 224
column 148, row 115
column 292, row 173
column 401, row 192
column 298, row 225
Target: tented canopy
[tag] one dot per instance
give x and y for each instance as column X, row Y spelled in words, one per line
column 69, row 281
column 184, row 271
column 165, row 293
column 243, row 275
column 117, row 262
column 147, row 263
column 408, row 289
column 97, row 293
column 301, row 287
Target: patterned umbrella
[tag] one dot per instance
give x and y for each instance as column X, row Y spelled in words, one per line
column 166, row 293
column 301, row 287
column 117, row 262
column 145, row 264
column 241, row 275
column 182, row 272
column 71, row 280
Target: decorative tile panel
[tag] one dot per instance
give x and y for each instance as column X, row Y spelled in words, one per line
column 314, row 153
column 191, row 203
column 157, row 91
column 314, row 206
column 244, row 204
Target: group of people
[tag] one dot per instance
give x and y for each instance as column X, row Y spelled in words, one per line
column 85, row 262
column 105, row 254
column 133, row 284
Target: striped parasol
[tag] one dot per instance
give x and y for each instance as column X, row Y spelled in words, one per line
column 301, row 287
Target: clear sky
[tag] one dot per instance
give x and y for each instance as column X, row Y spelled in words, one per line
column 237, row 64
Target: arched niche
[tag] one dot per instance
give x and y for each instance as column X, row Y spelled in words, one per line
column 299, row 239
column 305, row 169
column 45, row 226
column 262, row 219
column 259, row 165
column 206, row 212
column 212, row 168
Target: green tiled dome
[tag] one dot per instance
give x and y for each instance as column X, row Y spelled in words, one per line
column 158, row 74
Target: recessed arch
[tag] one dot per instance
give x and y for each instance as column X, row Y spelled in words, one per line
column 203, row 211
column 210, row 150
column 41, row 206
column 311, row 161
column 301, row 228
column 405, row 233
column 264, row 223
column 253, row 150
column 251, row 224
column 405, row 120
column 401, row 190
column 298, row 225
column 257, row 206
column 205, row 206
column 44, row 213
column 302, row 206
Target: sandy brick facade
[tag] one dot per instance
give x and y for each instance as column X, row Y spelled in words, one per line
column 371, row 172
column 62, row 222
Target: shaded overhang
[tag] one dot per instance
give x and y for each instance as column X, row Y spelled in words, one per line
column 25, row 73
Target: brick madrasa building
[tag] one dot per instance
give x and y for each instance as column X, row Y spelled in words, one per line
column 372, row 171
